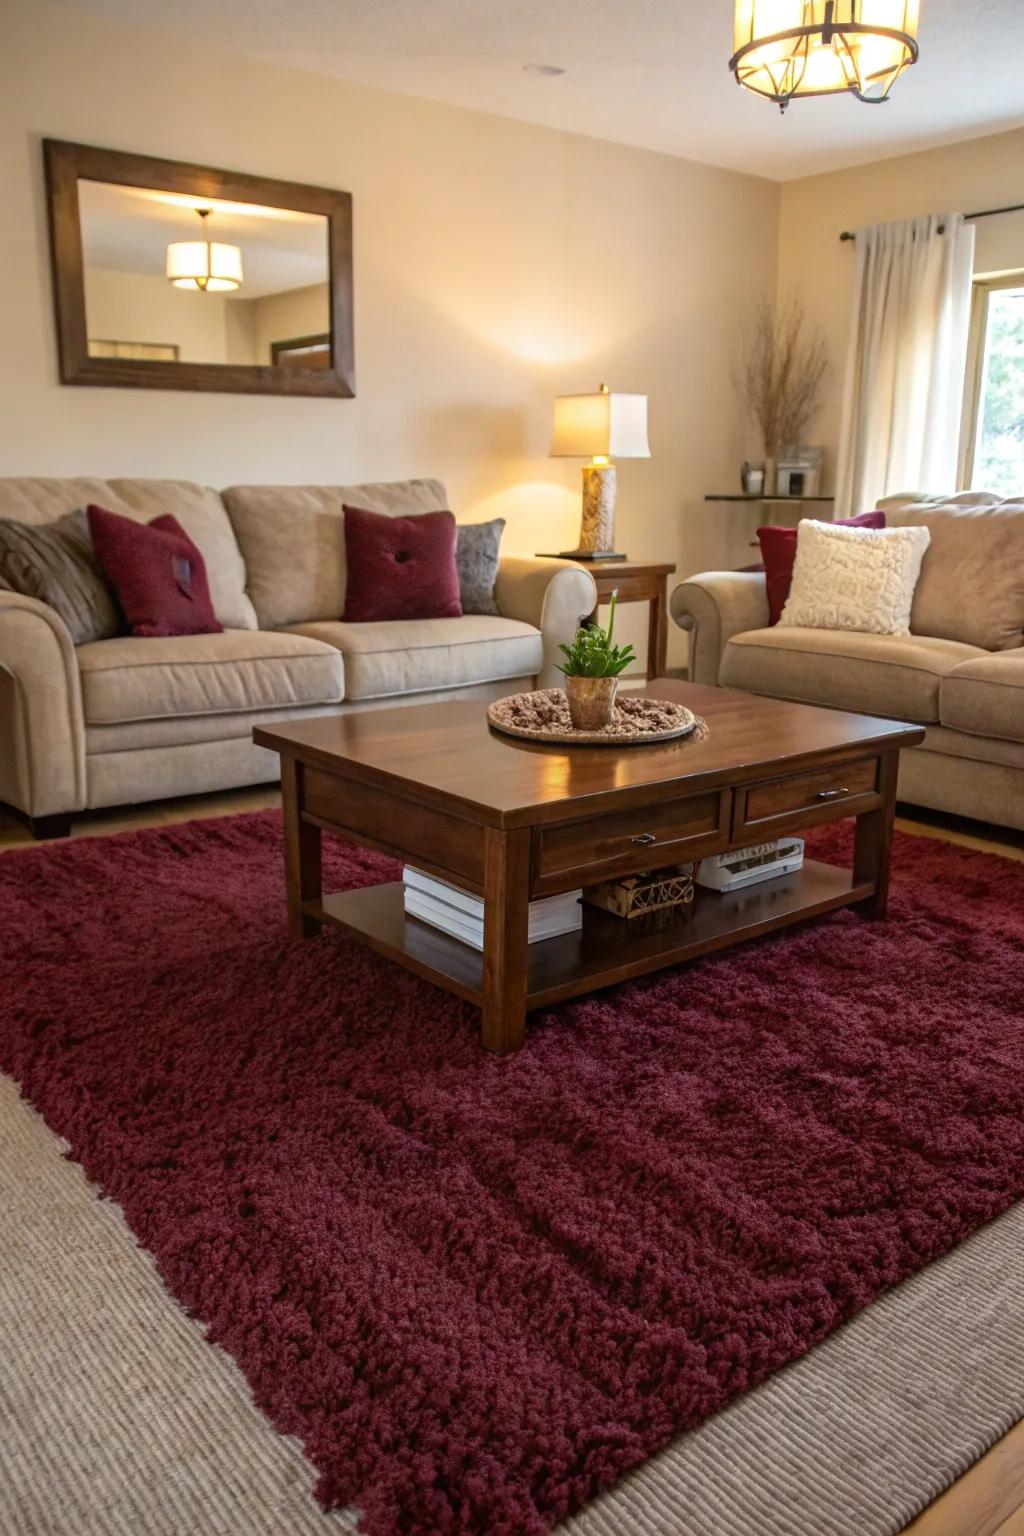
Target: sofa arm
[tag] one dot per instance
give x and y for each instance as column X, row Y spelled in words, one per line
column 713, row 607
column 42, row 736
column 555, row 596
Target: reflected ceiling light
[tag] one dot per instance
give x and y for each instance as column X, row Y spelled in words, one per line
column 204, row 264
column 787, row 48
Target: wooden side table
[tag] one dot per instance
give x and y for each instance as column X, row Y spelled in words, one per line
column 637, row 582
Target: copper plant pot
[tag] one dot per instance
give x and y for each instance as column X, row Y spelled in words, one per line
column 591, row 701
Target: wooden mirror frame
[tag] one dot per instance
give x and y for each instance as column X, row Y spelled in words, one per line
column 67, row 164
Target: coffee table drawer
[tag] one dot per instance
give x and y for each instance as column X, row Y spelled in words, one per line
column 804, row 798
column 625, row 842
column 447, row 845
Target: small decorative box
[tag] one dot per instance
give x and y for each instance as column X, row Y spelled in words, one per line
column 640, row 895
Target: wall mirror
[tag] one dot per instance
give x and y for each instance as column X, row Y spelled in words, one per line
column 174, row 276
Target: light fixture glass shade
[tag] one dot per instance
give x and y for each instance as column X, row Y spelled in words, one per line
column 787, row 48
column 204, row 264
column 601, row 425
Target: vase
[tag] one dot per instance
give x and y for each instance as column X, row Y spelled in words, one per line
column 771, row 474
column 752, row 479
column 591, row 701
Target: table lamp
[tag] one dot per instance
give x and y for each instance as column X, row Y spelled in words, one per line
column 599, row 427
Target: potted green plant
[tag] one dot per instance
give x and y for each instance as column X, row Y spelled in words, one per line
column 591, row 670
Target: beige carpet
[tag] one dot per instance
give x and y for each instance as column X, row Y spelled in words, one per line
column 118, row 1419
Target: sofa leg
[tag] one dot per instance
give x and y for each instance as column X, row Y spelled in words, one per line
column 46, row 827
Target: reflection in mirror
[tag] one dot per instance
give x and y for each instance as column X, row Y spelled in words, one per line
column 187, row 279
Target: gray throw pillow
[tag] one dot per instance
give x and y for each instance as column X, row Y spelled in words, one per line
column 476, row 556
column 56, row 564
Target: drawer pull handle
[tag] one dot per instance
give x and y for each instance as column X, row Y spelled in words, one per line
column 832, row 794
column 645, row 839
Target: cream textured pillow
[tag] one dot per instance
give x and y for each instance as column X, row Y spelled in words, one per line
column 854, row 578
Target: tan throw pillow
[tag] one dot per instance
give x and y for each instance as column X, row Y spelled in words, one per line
column 56, row 564
column 854, row 578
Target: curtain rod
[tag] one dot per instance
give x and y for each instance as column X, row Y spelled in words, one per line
column 986, row 213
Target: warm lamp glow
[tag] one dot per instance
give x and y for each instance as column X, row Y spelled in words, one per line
column 787, row 48
column 204, row 264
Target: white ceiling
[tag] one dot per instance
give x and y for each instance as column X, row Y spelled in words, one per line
column 645, row 72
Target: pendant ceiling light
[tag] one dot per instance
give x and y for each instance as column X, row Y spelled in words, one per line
column 204, row 264
column 787, row 48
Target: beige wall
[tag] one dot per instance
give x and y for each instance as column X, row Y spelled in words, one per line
column 136, row 306
column 289, row 315
column 818, row 269
column 240, row 328
column 497, row 264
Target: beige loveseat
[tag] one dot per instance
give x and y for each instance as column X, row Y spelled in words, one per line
column 960, row 673
column 125, row 720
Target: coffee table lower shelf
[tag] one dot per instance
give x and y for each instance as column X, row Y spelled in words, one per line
column 608, row 949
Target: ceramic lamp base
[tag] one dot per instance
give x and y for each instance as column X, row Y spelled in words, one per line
column 597, row 527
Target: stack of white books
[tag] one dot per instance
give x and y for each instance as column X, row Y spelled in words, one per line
column 461, row 914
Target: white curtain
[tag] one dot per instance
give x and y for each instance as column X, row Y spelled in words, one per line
column 903, row 391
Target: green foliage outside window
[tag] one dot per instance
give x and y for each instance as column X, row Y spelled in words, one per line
column 999, row 459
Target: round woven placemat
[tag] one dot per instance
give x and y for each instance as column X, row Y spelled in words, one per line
column 636, row 720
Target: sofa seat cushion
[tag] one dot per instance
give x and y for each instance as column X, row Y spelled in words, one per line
column 239, row 669
column 985, row 697
column 418, row 655
column 895, row 675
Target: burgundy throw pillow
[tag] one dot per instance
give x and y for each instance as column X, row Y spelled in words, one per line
column 778, row 551
column 157, row 573
column 400, row 567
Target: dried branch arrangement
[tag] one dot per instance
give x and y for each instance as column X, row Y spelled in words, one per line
column 780, row 376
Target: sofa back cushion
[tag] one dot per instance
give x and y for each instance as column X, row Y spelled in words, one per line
column 971, row 586
column 292, row 538
column 199, row 510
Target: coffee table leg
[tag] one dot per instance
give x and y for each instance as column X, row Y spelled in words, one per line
column 872, row 851
column 302, row 872
column 506, row 923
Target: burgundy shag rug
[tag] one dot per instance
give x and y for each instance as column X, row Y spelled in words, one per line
column 479, row 1291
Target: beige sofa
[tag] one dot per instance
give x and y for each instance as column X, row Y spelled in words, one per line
column 125, row 720
column 960, row 673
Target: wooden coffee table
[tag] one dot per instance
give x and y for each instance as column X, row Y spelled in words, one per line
column 433, row 784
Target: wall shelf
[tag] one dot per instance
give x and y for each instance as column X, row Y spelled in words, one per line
column 782, row 500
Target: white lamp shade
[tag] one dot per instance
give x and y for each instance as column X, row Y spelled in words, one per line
column 600, row 425
column 206, row 265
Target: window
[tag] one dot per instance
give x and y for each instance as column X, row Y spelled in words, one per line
column 993, row 450
column 159, row 351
